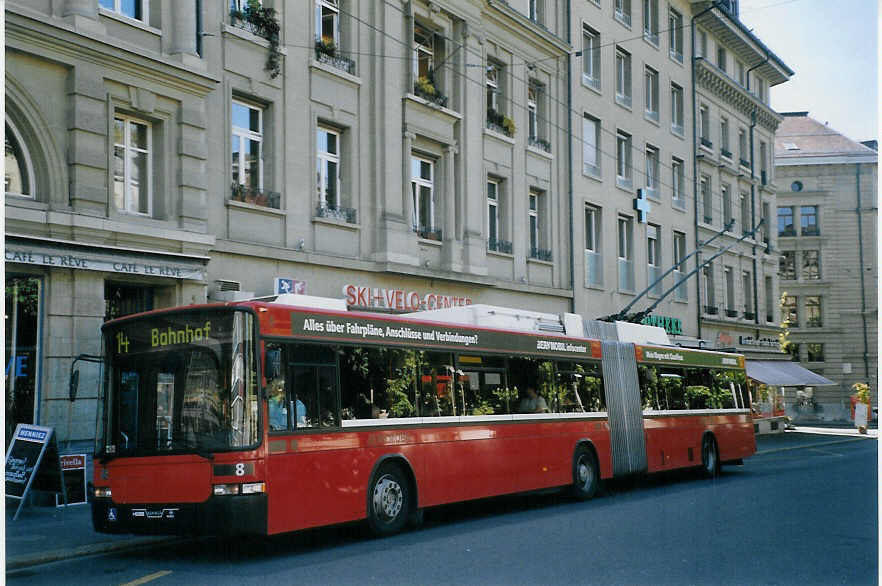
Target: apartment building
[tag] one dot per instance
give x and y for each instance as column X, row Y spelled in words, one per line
column 402, row 155
column 827, row 234
column 734, row 181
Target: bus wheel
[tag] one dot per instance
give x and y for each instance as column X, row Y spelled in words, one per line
column 389, row 503
column 586, row 477
column 710, row 461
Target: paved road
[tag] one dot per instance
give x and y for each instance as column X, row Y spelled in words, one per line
column 803, row 516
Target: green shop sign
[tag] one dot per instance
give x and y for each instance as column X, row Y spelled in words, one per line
column 672, row 325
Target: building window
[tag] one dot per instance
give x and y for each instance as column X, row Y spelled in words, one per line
column 136, row 9
column 793, row 350
column 23, row 349
column 721, row 58
column 492, row 87
column 727, row 205
column 534, row 218
column 679, row 241
column 653, row 259
column 328, row 168
column 327, row 22
column 814, row 352
column 591, row 146
column 650, row 21
column 808, row 220
column 247, row 145
column 18, row 176
column 704, row 126
column 729, row 278
column 626, row 254
column 493, row 84
column 770, row 301
column 766, row 231
column 423, row 53
column 651, row 93
column 790, row 311
column 811, row 265
column 623, row 77
column 675, row 35
column 623, row 160
column 652, row 179
column 724, row 138
column 494, row 227
column 707, row 272
column 746, row 223
column 787, row 265
column 785, row 222
column 813, row 312
column 743, row 152
column 623, row 12
column 747, row 290
column 678, row 179
column 132, row 165
column 701, row 44
column 423, row 193
column 591, row 57
column 536, row 116
column 593, row 261
column 706, row 199
column 126, row 299
column 761, row 89
column 676, row 109
column 739, row 72
column 764, row 168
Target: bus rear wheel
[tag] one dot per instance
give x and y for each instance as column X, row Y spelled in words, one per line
column 710, row 458
column 388, row 501
column 586, row 477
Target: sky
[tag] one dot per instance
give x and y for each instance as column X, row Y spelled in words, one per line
column 832, row 46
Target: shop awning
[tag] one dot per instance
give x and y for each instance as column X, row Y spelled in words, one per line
column 782, row 373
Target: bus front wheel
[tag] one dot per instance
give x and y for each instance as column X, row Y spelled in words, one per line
column 710, row 459
column 586, row 476
column 389, row 501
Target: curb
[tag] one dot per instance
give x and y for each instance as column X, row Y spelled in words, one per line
column 45, row 557
column 815, row 445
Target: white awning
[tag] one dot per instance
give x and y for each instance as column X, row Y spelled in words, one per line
column 783, row 373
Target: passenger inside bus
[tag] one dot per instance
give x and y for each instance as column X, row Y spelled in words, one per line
column 533, row 402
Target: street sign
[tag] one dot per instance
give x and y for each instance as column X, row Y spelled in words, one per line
column 281, row 286
column 32, row 461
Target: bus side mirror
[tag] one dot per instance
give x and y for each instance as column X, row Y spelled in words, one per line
column 74, row 383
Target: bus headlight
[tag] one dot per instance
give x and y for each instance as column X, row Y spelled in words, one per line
column 225, row 489
column 102, row 492
column 253, row 488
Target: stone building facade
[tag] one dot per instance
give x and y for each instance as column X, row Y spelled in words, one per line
column 402, row 154
column 827, row 220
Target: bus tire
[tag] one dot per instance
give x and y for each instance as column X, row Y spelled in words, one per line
column 710, row 457
column 586, row 476
column 388, row 501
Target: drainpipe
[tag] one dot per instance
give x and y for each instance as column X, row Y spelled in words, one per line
column 857, row 176
column 695, row 163
column 570, row 162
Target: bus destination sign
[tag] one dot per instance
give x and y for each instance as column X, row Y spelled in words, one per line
column 688, row 357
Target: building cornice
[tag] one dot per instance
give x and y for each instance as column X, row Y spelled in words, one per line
column 709, row 77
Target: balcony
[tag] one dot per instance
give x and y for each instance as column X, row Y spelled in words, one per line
column 651, row 115
column 711, row 309
column 677, row 128
column 706, row 143
column 593, row 269
column 789, row 231
column 255, row 196
column 540, row 254
column 623, row 17
column 428, row 233
column 424, row 87
column 811, row 231
column 651, row 37
column 539, row 143
column 591, row 81
column 675, row 55
column 725, row 153
column 744, row 163
column 340, row 213
column 327, row 52
column 496, row 245
column 731, row 313
column 499, row 122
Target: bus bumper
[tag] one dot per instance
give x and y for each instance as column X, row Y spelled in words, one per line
column 219, row 515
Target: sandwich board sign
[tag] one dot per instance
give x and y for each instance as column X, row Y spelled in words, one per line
column 32, row 462
column 74, row 468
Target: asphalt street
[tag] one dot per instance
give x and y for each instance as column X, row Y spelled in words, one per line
column 801, row 516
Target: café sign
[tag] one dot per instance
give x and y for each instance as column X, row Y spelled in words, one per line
column 399, row 299
column 124, row 262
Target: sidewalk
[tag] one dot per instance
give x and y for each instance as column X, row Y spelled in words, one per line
column 46, row 534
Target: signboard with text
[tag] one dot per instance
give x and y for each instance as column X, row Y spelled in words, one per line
column 32, row 462
column 400, row 299
column 74, row 468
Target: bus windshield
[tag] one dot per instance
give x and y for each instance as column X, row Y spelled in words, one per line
column 180, row 383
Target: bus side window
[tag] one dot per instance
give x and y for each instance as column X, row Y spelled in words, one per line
column 437, row 385
column 649, row 384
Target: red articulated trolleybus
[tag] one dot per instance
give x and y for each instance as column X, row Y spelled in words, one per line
column 264, row 417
